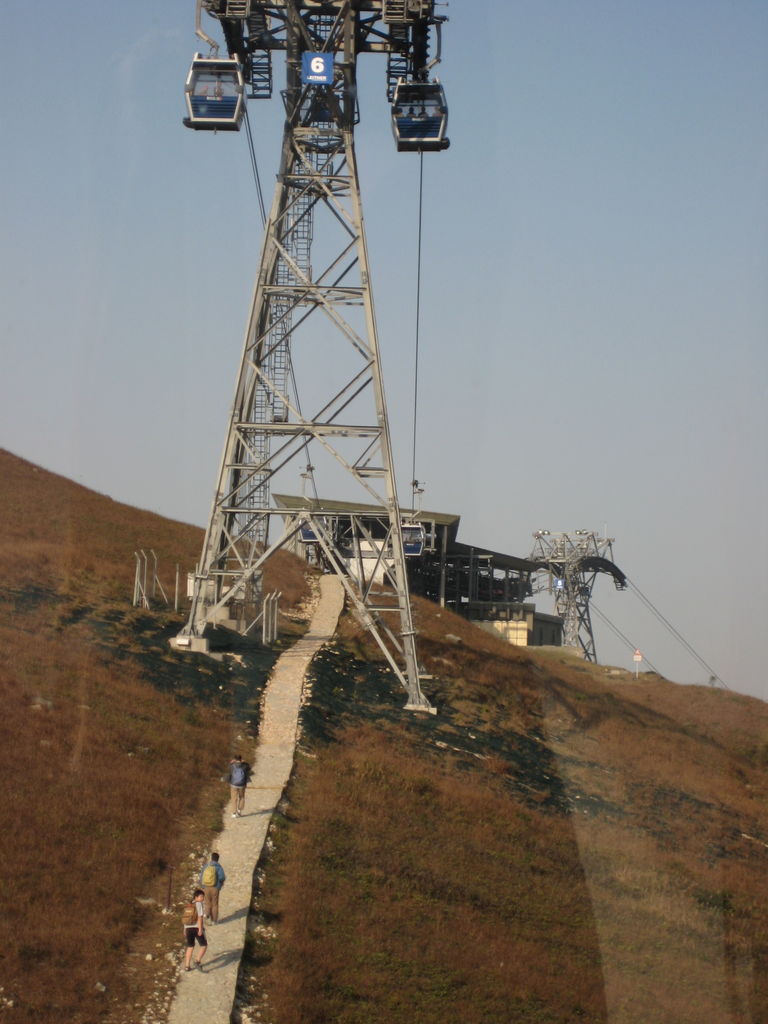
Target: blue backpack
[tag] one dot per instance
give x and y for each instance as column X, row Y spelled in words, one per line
column 238, row 774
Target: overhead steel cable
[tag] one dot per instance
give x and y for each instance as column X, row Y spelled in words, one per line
column 713, row 676
column 414, row 481
column 255, row 168
column 617, row 632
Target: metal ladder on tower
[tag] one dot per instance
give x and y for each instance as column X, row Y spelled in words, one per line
column 259, row 60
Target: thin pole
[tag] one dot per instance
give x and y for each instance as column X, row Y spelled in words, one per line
column 170, row 888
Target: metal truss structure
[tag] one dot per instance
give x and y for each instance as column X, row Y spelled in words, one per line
column 309, row 390
column 402, row 29
column 573, row 561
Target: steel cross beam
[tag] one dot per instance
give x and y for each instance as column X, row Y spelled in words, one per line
column 311, row 342
column 402, row 29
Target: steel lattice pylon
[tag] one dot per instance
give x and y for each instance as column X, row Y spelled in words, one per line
column 572, row 562
column 310, row 373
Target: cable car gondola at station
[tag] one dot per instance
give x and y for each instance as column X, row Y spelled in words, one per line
column 419, row 117
column 308, row 532
column 215, row 94
column 414, row 539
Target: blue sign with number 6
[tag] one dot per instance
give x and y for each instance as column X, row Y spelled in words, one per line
column 317, row 68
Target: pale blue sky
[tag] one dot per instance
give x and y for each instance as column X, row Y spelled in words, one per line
column 594, row 303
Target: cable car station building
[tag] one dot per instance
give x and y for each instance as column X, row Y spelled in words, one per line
column 486, row 587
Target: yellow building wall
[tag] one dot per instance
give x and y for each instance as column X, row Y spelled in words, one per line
column 515, row 632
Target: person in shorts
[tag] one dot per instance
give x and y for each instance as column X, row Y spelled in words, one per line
column 239, row 770
column 212, row 879
column 196, row 933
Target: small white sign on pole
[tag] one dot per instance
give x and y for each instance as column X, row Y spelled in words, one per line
column 637, row 657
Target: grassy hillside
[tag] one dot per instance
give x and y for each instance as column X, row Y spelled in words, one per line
column 560, row 843
column 113, row 746
column 557, row 845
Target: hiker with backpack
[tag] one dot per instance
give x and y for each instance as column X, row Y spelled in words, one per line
column 194, row 930
column 212, row 878
column 239, row 770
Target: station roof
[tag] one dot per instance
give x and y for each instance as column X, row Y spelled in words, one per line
column 331, row 507
column 327, row 506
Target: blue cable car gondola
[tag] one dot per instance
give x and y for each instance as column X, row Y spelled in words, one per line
column 414, row 539
column 307, row 534
column 419, row 117
column 215, row 94
column 308, row 531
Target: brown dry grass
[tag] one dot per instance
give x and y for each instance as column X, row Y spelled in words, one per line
column 112, row 754
column 100, row 764
column 554, row 846
column 405, row 899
